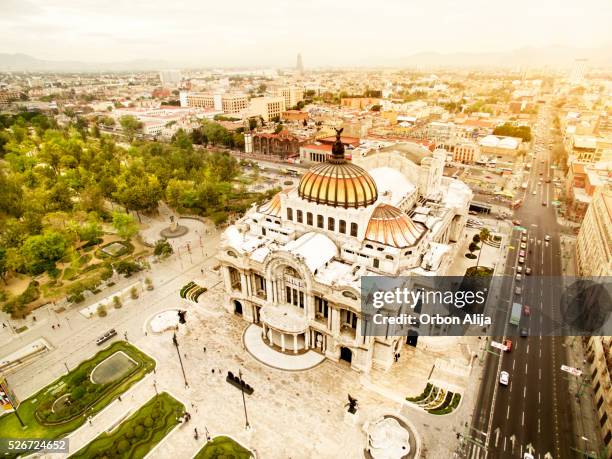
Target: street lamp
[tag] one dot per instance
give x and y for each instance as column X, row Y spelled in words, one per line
column 246, row 418
column 176, row 345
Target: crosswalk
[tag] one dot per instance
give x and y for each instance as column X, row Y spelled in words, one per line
column 502, row 447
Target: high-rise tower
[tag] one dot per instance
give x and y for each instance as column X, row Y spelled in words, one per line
column 299, row 66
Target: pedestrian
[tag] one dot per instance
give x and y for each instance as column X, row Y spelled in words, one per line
column 213, row 371
column 204, row 348
column 34, row 318
column 202, row 271
column 119, row 398
column 58, row 325
column 3, row 325
column 145, row 333
column 53, row 327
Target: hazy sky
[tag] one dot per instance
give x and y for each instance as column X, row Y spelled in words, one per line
column 264, row 32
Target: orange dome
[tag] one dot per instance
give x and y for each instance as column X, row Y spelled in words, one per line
column 390, row 226
column 338, row 184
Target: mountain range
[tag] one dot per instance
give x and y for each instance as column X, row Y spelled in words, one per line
column 551, row 56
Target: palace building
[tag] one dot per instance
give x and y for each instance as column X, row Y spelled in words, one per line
column 293, row 265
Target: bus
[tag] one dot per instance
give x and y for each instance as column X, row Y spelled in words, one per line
column 515, row 315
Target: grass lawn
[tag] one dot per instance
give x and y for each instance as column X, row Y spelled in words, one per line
column 36, row 410
column 223, row 448
column 138, row 434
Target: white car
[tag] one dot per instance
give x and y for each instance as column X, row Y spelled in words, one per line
column 504, row 378
column 523, row 246
column 547, row 238
column 519, row 276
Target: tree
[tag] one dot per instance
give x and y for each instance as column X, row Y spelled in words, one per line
column 130, row 125
column 473, row 247
column 3, row 264
column 125, row 225
column 91, row 231
column 163, row 248
column 376, row 108
column 41, row 252
column 507, row 129
column 138, row 190
column 476, row 238
column 484, row 234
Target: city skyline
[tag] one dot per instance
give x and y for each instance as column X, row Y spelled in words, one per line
column 89, row 33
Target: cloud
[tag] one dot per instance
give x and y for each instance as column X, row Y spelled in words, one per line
column 247, row 32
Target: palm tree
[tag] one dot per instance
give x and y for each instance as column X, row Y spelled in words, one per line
column 484, row 235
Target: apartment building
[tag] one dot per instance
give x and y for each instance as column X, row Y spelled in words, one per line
column 590, row 149
column 267, row 107
column 8, row 96
column 229, row 104
column 594, row 242
column 291, row 94
column 466, row 152
column 582, row 180
column 599, row 358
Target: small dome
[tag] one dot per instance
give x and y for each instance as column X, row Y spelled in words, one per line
column 272, row 207
column 390, row 226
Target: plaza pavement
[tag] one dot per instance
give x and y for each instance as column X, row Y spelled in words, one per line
column 292, row 414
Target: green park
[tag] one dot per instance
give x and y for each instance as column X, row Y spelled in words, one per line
column 71, row 200
column 65, row 404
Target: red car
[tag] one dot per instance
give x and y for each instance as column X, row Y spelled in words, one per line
column 508, row 345
column 526, row 310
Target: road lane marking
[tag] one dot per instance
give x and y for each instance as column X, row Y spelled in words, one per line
column 523, row 419
column 525, row 368
column 524, row 391
column 513, row 363
column 508, row 412
column 540, row 373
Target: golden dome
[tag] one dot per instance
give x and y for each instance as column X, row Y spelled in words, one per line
column 390, row 226
column 339, row 185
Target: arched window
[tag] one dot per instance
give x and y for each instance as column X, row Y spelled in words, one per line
column 376, row 263
column 342, row 227
column 289, row 213
column 331, row 224
column 300, row 219
column 309, row 218
column 354, row 229
column 320, row 221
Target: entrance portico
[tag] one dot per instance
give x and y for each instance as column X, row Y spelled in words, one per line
column 285, row 327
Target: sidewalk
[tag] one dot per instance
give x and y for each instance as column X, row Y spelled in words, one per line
column 584, row 415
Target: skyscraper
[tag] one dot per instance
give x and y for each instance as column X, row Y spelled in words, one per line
column 578, row 71
column 299, row 65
